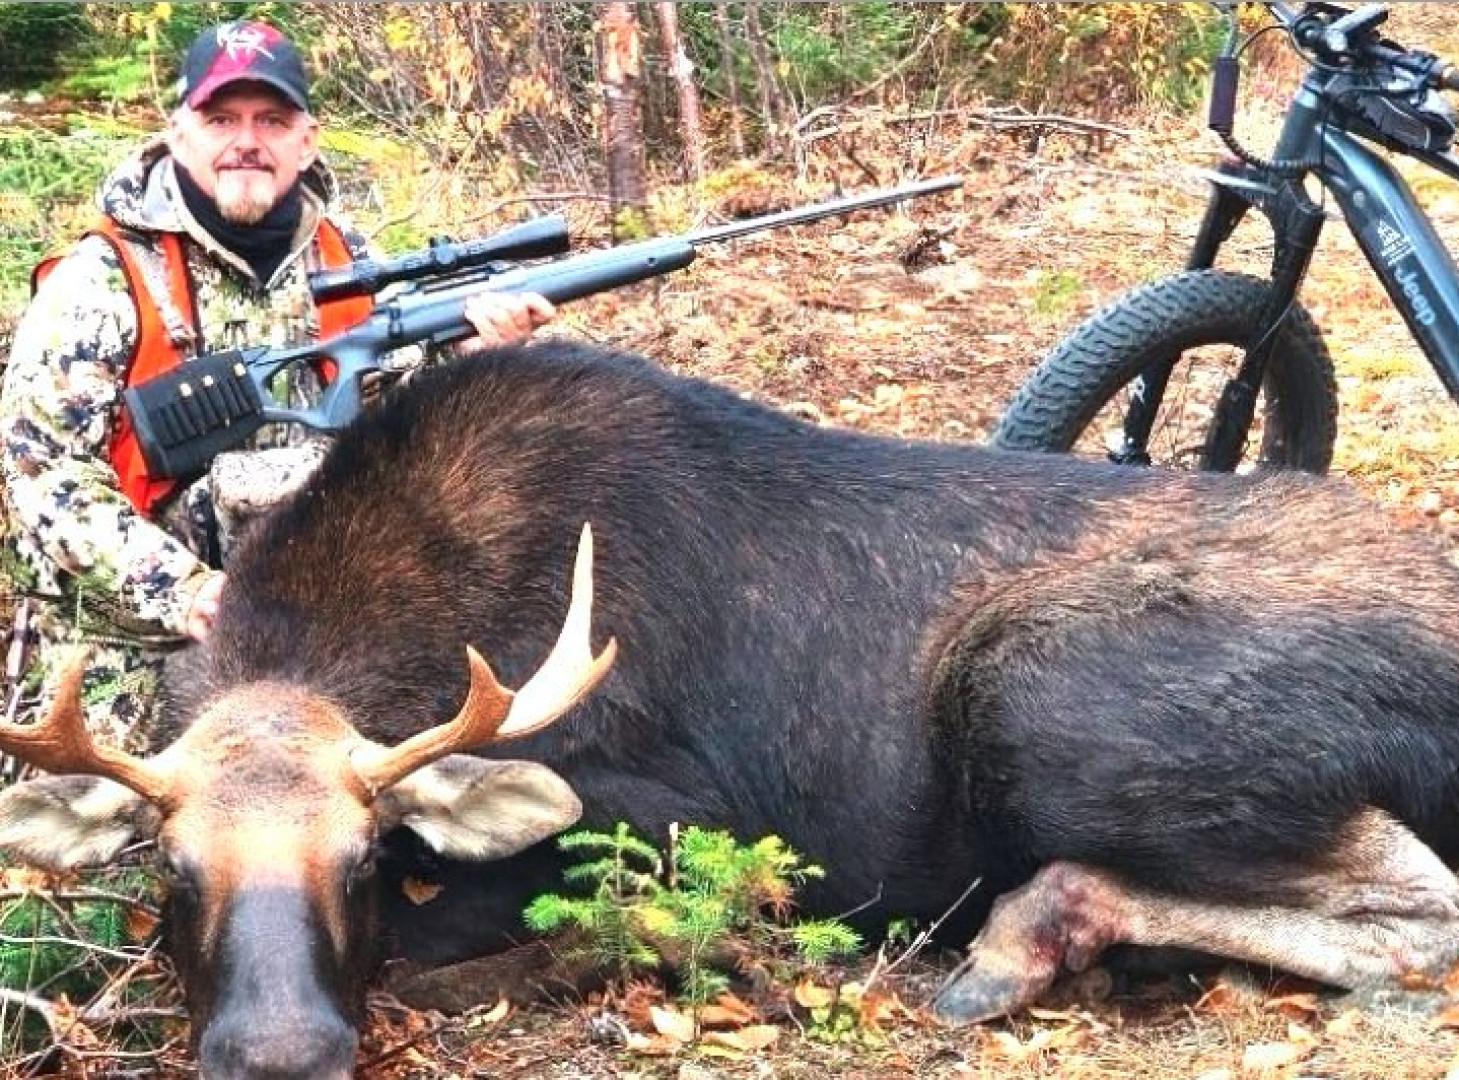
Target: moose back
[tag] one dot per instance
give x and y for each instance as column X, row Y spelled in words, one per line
column 1131, row 706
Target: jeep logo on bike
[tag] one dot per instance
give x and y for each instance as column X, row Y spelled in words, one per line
column 1423, row 311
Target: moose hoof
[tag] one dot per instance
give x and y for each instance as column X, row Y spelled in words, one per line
column 972, row 994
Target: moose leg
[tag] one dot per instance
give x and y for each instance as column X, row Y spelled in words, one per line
column 1379, row 907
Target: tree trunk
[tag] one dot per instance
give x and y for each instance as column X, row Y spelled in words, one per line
column 771, row 102
column 620, row 74
column 731, row 79
column 691, row 130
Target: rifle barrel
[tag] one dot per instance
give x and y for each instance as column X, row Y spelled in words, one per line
column 802, row 215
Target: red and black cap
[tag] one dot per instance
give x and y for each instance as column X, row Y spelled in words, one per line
column 242, row 51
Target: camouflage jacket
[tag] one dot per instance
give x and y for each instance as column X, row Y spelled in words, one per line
column 71, row 533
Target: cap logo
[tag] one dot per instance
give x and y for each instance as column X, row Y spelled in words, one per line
column 243, row 42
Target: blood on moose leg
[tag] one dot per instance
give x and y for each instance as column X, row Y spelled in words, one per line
column 1061, row 920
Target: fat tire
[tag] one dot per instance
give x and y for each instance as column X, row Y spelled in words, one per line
column 1155, row 323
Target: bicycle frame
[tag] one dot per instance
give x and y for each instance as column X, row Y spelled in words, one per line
column 1379, row 208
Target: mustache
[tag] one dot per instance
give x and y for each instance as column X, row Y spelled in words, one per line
column 247, row 162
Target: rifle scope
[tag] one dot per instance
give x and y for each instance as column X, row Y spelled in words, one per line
column 536, row 239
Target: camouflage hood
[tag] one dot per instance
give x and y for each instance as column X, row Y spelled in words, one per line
column 141, row 192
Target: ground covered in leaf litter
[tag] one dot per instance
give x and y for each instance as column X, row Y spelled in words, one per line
column 921, row 323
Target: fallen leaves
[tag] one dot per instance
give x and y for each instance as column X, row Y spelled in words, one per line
column 729, row 1026
column 745, row 1039
column 1269, row 1057
column 1004, row 1045
column 19, row 879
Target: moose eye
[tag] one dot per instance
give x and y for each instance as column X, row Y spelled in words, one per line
column 180, row 875
column 363, row 870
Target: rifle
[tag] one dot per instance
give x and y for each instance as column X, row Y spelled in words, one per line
column 184, row 417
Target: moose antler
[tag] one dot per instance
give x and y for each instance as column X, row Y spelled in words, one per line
column 60, row 743
column 491, row 711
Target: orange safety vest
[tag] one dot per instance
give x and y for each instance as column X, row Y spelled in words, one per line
column 155, row 352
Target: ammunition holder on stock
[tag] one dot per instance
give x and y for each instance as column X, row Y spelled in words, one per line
column 186, row 416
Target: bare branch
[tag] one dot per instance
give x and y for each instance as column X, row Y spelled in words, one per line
column 81, row 895
column 74, row 943
column 921, row 941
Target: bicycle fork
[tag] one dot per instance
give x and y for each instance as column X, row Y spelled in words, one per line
column 1296, row 223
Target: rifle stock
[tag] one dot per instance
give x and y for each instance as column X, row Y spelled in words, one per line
column 186, row 416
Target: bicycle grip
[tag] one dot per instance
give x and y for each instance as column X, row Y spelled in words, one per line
column 1224, row 77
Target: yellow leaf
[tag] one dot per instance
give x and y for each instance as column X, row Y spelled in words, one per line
column 810, row 996
column 1300, row 1035
column 497, row 1013
column 675, row 1025
column 1068, row 1037
column 23, row 879
column 1003, row 1044
column 1261, row 1057
column 1039, row 1041
column 1054, row 1014
column 652, row 1045
column 755, row 1037
column 1344, row 1024
column 712, row 1050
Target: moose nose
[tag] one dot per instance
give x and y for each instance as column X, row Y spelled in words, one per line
column 321, row 1049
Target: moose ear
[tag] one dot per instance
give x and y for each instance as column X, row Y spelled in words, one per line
column 63, row 823
column 474, row 808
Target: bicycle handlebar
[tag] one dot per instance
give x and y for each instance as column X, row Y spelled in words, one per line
column 1350, row 36
column 1338, row 36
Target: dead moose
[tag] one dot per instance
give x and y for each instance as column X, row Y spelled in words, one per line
column 1133, row 706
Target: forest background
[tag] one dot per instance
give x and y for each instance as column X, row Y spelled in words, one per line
column 1078, row 129
column 464, row 116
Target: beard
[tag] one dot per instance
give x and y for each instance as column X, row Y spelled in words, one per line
column 245, row 195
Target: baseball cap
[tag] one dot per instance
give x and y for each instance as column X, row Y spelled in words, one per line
column 239, row 51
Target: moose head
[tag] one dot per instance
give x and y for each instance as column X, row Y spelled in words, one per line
column 266, row 814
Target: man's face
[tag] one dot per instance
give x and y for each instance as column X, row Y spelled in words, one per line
column 245, row 146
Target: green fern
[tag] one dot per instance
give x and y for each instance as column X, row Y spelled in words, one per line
column 712, row 902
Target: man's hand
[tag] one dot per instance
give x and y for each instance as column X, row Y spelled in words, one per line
column 504, row 319
column 202, row 611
